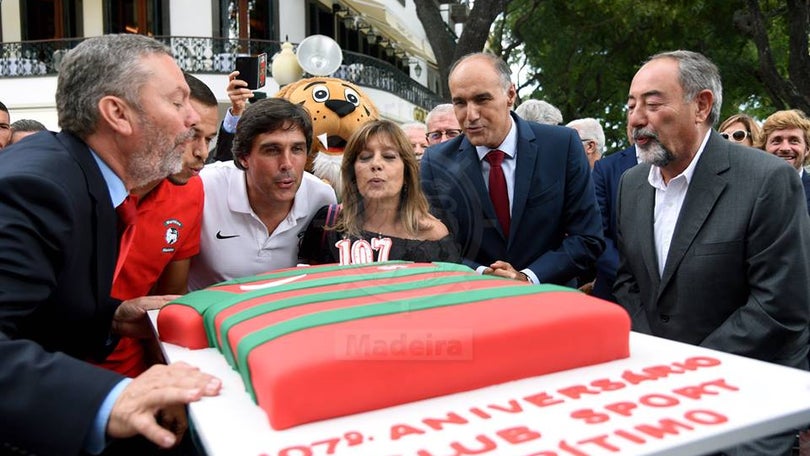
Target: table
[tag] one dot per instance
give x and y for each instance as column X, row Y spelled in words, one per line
column 667, row 398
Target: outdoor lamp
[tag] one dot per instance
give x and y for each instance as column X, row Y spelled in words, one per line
column 286, row 68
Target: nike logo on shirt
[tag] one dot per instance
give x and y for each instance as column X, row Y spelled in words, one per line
column 224, row 236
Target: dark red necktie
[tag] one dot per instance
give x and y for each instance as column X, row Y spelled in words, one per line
column 127, row 214
column 497, row 188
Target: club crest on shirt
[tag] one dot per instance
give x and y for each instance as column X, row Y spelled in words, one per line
column 172, row 234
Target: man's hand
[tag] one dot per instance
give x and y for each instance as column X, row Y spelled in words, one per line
column 238, row 93
column 587, row 288
column 505, row 270
column 160, row 393
column 130, row 317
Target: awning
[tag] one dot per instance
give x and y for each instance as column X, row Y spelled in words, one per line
column 381, row 19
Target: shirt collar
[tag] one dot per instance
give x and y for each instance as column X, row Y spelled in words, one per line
column 508, row 146
column 657, row 180
column 237, row 192
column 114, row 183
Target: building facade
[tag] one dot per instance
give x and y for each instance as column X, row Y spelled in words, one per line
column 385, row 49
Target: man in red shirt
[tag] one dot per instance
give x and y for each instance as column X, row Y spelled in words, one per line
column 167, row 232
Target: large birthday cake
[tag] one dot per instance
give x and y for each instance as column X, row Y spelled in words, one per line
column 326, row 341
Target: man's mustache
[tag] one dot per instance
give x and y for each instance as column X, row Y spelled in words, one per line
column 644, row 133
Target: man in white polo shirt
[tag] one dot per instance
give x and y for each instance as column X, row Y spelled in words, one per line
column 256, row 205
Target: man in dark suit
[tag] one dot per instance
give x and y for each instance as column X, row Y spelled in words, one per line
column 124, row 109
column 714, row 237
column 540, row 225
column 606, row 175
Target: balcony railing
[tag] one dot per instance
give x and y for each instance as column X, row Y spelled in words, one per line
column 217, row 55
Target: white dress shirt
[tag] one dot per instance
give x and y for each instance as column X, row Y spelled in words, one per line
column 509, row 148
column 669, row 198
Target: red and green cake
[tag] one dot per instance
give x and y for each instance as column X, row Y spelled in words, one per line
column 320, row 342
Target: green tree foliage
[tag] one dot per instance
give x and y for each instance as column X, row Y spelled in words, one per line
column 581, row 55
column 447, row 48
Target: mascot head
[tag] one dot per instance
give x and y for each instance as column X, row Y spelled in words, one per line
column 338, row 108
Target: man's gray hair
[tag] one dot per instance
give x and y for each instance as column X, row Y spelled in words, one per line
column 27, row 125
column 413, row 125
column 501, row 67
column 697, row 73
column 441, row 108
column 590, row 129
column 98, row 67
column 539, row 111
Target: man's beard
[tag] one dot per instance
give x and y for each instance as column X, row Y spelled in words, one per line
column 180, row 178
column 159, row 156
column 653, row 152
column 176, row 180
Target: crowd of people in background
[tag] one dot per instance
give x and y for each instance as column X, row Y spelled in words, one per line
column 702, row 234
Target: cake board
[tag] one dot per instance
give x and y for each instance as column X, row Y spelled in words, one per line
column 667, row 398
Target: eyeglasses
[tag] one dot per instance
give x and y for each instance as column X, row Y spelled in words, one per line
column 736, row 135
column 434, row 136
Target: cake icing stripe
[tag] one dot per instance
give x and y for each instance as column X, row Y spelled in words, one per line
column 380, row 291
column 324, row 271
column 214, row 309
column 418, row 274
column 309, row 282
column 258, row 338
column 288, row 272
column 201, row 300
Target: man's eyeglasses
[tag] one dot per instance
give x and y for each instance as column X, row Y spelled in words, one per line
column 736, row 135
column 436, row 136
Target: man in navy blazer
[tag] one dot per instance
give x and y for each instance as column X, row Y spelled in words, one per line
column 554, row 230
column 124, row 109
column 606, row 175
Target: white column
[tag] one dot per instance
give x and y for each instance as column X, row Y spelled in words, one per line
column 11, row 20
column 292, row 21
column 190, row 18
column 92, row 18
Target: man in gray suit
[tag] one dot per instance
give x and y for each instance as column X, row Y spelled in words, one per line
column 713, row 237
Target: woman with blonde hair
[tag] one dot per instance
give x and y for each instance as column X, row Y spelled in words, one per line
column 383, row 213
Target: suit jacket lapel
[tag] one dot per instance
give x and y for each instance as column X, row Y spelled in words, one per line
column 470, row 168
column 524, row 170
column 641, row 231
column 705, row 188
column 105, row 219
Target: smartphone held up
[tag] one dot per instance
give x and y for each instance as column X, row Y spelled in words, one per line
column 253, row 70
